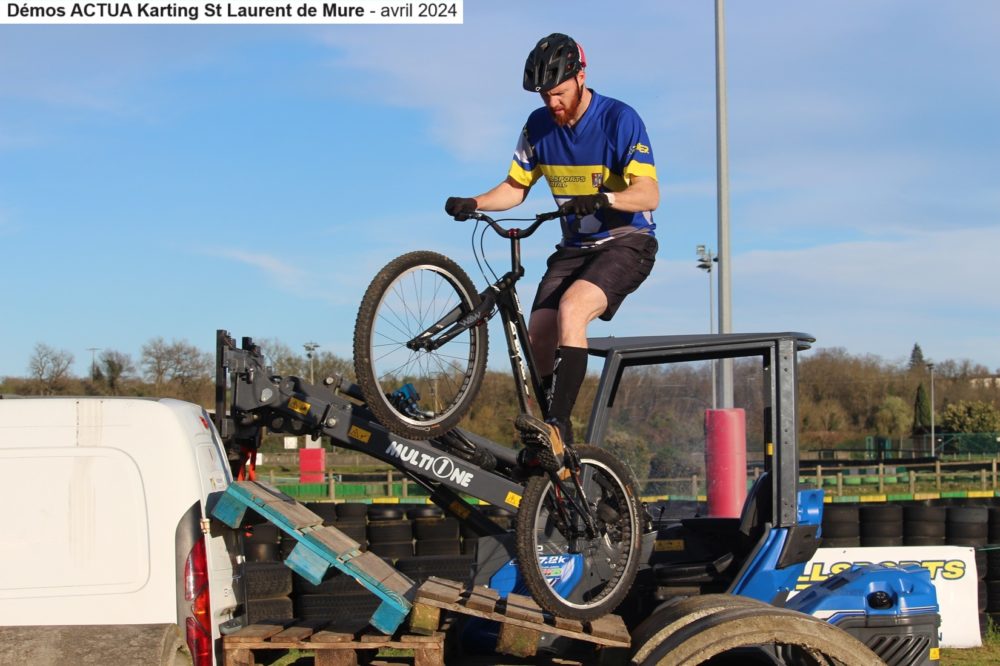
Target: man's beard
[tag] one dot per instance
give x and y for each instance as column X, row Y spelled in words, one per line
column 564, row 116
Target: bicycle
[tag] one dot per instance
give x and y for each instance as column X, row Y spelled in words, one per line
column 421, row 331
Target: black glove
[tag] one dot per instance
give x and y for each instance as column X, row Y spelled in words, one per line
column 584, row 205
column 460, row 208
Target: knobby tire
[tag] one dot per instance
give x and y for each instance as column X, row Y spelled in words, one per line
column 600, row 591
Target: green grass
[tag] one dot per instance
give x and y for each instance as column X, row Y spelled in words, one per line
column 987, row 655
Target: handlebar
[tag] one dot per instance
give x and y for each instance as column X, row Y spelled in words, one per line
column 514, row 232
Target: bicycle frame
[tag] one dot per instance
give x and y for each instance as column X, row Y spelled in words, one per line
column 502, row 294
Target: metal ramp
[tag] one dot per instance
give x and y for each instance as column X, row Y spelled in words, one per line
column 320, row 547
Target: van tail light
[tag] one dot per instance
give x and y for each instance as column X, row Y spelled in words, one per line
column 199, row 619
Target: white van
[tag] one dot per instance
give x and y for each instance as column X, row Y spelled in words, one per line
column 105, row 505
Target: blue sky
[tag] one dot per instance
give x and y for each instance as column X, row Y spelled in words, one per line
column 171, row 180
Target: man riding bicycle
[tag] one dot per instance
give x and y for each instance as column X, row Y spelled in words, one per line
column 596, row 157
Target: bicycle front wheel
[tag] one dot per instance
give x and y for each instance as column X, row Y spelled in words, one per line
column 569, row 572
column 418, row 390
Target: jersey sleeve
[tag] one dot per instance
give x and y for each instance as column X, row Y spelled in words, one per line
column 524, row 167
column 637, row 156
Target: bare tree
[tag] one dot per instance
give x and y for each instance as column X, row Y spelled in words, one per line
column 155, row 361
column 49, row 368
column 116, row 366
column 177, row 362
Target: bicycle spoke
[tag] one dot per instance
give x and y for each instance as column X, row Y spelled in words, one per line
column 406, row 333
column 398, row 343
column 404, row 303
column 447, row 376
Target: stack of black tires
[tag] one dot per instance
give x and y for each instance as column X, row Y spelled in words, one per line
column 267, row 582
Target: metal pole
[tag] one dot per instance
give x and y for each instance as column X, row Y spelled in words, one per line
column 722, row 166
column 930, row 366
column 711, row 329
column 93, row 361
column 310, row 348
column 705, row 260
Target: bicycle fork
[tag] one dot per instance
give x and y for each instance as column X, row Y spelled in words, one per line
column 577, row 501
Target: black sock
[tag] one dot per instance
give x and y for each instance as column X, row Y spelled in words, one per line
column 545, row 398
column 570, row 370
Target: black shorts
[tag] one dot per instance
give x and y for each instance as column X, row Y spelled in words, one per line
column 617, row 267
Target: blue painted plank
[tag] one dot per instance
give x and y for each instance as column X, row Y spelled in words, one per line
column 319, row 548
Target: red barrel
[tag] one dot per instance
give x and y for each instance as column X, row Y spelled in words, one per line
column 312, row 465
column 726, row 461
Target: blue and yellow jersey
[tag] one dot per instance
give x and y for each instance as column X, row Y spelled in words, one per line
column 601, row 153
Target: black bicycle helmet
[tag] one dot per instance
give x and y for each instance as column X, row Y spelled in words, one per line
column 554, row 59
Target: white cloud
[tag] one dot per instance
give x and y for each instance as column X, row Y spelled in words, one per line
column 281, row 272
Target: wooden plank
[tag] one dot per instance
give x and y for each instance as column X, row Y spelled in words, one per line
column 424, row 619
column 265, row 500
column 268, row 498
column 570, row 625
column 295, row 515
column 238, row 657
column 517, row 641
column 611, row 627
column 331, row 637
column 438, row 589
column 386, row 576
column 498, row 617
column 429, row 654
column 524, row 608
column 454, row 584
column 336, row 658
column 334, row 539
column 292, row 635
column 436, row 637
column 483, row 599
column 254, row 633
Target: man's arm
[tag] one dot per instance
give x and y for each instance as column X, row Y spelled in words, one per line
column 504, row 196
column 642, row 194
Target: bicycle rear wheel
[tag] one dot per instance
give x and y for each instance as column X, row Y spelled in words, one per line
column 567, row 572
column 406, row 299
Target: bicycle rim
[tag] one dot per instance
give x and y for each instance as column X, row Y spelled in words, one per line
column 410, row 304
column 605, row 565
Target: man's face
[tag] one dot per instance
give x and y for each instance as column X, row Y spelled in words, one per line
column 564, row 100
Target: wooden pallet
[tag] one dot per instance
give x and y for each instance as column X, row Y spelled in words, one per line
column 329, row 648
column 522, row 621
column 321, row 548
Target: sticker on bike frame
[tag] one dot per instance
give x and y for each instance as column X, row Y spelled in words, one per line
column 359, row 434
column 668, row 545
column 441, row 466
column 298, row 406
column 513, row 499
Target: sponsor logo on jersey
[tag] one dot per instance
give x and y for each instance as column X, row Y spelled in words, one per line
column 556, row 181
column 597, row 179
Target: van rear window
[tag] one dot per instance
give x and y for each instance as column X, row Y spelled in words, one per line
column 76, row 522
